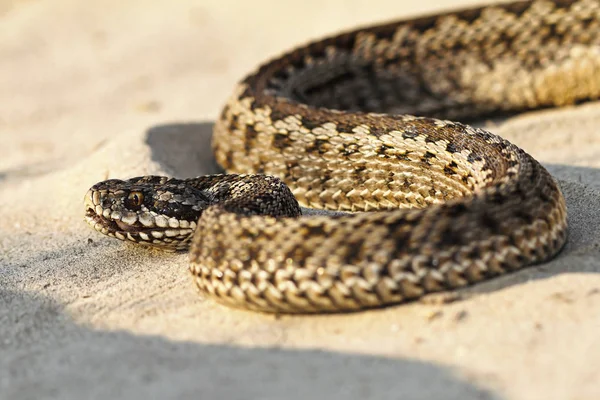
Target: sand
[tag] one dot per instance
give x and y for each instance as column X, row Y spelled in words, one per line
column 99, row 89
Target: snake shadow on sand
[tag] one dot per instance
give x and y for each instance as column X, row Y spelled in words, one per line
column 184, row 150
column 74, row 361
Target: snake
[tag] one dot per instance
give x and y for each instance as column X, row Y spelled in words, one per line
column 364, row 123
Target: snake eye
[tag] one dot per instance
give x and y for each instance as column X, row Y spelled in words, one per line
column 135, row 199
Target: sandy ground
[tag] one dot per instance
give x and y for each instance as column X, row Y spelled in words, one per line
column 98, row 89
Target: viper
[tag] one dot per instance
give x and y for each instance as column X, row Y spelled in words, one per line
column 362, row 122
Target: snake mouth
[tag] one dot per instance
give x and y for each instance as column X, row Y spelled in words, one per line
column 166, row 238
column 98, row 222
column 117, row 226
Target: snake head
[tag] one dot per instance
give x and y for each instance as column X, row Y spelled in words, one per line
column 153, row 210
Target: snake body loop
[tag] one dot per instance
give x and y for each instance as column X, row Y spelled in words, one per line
column 448, row 205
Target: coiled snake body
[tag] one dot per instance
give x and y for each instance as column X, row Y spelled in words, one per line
column 449, row 205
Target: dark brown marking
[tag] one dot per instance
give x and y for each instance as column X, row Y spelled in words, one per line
column 449, row 171
column 490, row 222
column 382, row 150
column 280, row 141
column 310, row 124
column 250, row 137
column 453, row 148
column 472, row 157
column 224, row 112
column 320, row 146
column 428, row 156
column 345, row 127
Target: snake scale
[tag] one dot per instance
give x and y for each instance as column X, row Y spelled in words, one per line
column 332, row 125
